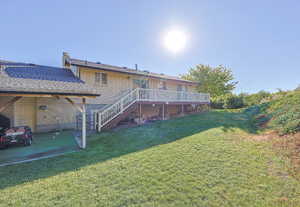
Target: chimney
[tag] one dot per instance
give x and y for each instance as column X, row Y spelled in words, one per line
column 2, row 68
column 66, row 60
column 136, row 66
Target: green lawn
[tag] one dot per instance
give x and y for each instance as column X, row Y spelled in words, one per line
column 198, row 160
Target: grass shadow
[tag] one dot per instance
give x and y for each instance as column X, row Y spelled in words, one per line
column 109, row 145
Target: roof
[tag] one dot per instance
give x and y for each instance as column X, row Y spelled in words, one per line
column 126, row 70
column 38, row 79
column 43, row 73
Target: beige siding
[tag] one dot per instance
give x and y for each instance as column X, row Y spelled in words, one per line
column 9, row 111
column 119, row 83
column 59, row 114
column 25, row 112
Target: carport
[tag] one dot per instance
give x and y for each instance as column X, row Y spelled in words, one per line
column 16, row 96
column 20, row 81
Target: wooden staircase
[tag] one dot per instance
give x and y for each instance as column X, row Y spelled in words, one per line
column 114, row 122
column 116, row 112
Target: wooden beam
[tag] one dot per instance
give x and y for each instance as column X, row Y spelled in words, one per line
column 74, row 104
column 10, row 102
column 44, row 95
column 25, row 95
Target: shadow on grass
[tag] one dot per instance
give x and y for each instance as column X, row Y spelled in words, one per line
column 108, row 145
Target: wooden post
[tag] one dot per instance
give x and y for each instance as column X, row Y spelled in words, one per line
column 182, row 109
column 140, row 116
column 99, row 121
column 83, row 124
column 163, row 112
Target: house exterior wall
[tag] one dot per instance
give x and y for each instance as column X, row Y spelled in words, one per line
column 44, row 114
column 59, row 114
column 119, row 84
column 9, row 111
column 25, row 113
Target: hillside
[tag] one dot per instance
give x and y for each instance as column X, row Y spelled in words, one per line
column 281, row 114
column 198, row 160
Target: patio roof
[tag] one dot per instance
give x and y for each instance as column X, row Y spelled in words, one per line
column 31, row 79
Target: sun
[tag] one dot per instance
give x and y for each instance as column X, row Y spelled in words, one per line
column 175, row 40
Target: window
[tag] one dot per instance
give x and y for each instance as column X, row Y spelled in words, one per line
column 179, row 87
column 97, row 78
column 141, row 83
column 104, row 78
column 163, row 85
column 186, row 88
column 101, row 78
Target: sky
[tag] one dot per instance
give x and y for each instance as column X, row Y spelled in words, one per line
column 258, row 40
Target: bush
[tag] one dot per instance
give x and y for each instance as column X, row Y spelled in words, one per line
column 228, row 101
column 256, row 98
column 281, row 114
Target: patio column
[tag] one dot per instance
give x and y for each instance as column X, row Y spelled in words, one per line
column 83, row 124
column 163, row 112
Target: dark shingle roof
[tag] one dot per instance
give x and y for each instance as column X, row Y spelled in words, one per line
column 38, row 79
column 42, row 73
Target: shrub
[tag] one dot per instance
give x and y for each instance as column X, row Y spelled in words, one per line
column 228, row 101
column 281, row 113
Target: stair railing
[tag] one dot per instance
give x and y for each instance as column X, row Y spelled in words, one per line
column 108, row 114
column 142, row 94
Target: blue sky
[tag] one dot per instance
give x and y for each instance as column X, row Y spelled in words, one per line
column 258, row 40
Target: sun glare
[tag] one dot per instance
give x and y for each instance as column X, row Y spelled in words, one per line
column 175, row 40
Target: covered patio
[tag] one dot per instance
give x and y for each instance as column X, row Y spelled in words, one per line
column 29, row 94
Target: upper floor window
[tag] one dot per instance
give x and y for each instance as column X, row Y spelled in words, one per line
column 186, row 88
column 101, row 78
column 179, row 87
column 140, row 83
column 163, row 85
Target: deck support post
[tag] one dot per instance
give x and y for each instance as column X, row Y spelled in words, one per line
column 83, row 124
column 182, row 109
column 140, row 113
column 99, row 121
column 163, row 112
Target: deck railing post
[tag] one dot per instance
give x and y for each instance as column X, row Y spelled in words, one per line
column 122, row 105
column 83, row 124
column 99, row 121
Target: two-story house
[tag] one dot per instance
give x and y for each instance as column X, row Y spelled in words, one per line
column 133, row 94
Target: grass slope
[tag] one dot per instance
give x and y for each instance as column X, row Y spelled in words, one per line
column 281, row 114
column 198, row 160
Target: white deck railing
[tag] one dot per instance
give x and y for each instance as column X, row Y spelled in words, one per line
column 146, row 95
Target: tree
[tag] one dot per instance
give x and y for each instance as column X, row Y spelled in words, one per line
column 217, row 81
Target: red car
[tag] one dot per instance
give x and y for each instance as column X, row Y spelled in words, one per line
column 15, row 135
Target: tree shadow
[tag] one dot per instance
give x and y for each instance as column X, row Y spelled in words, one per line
column 109, row 145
